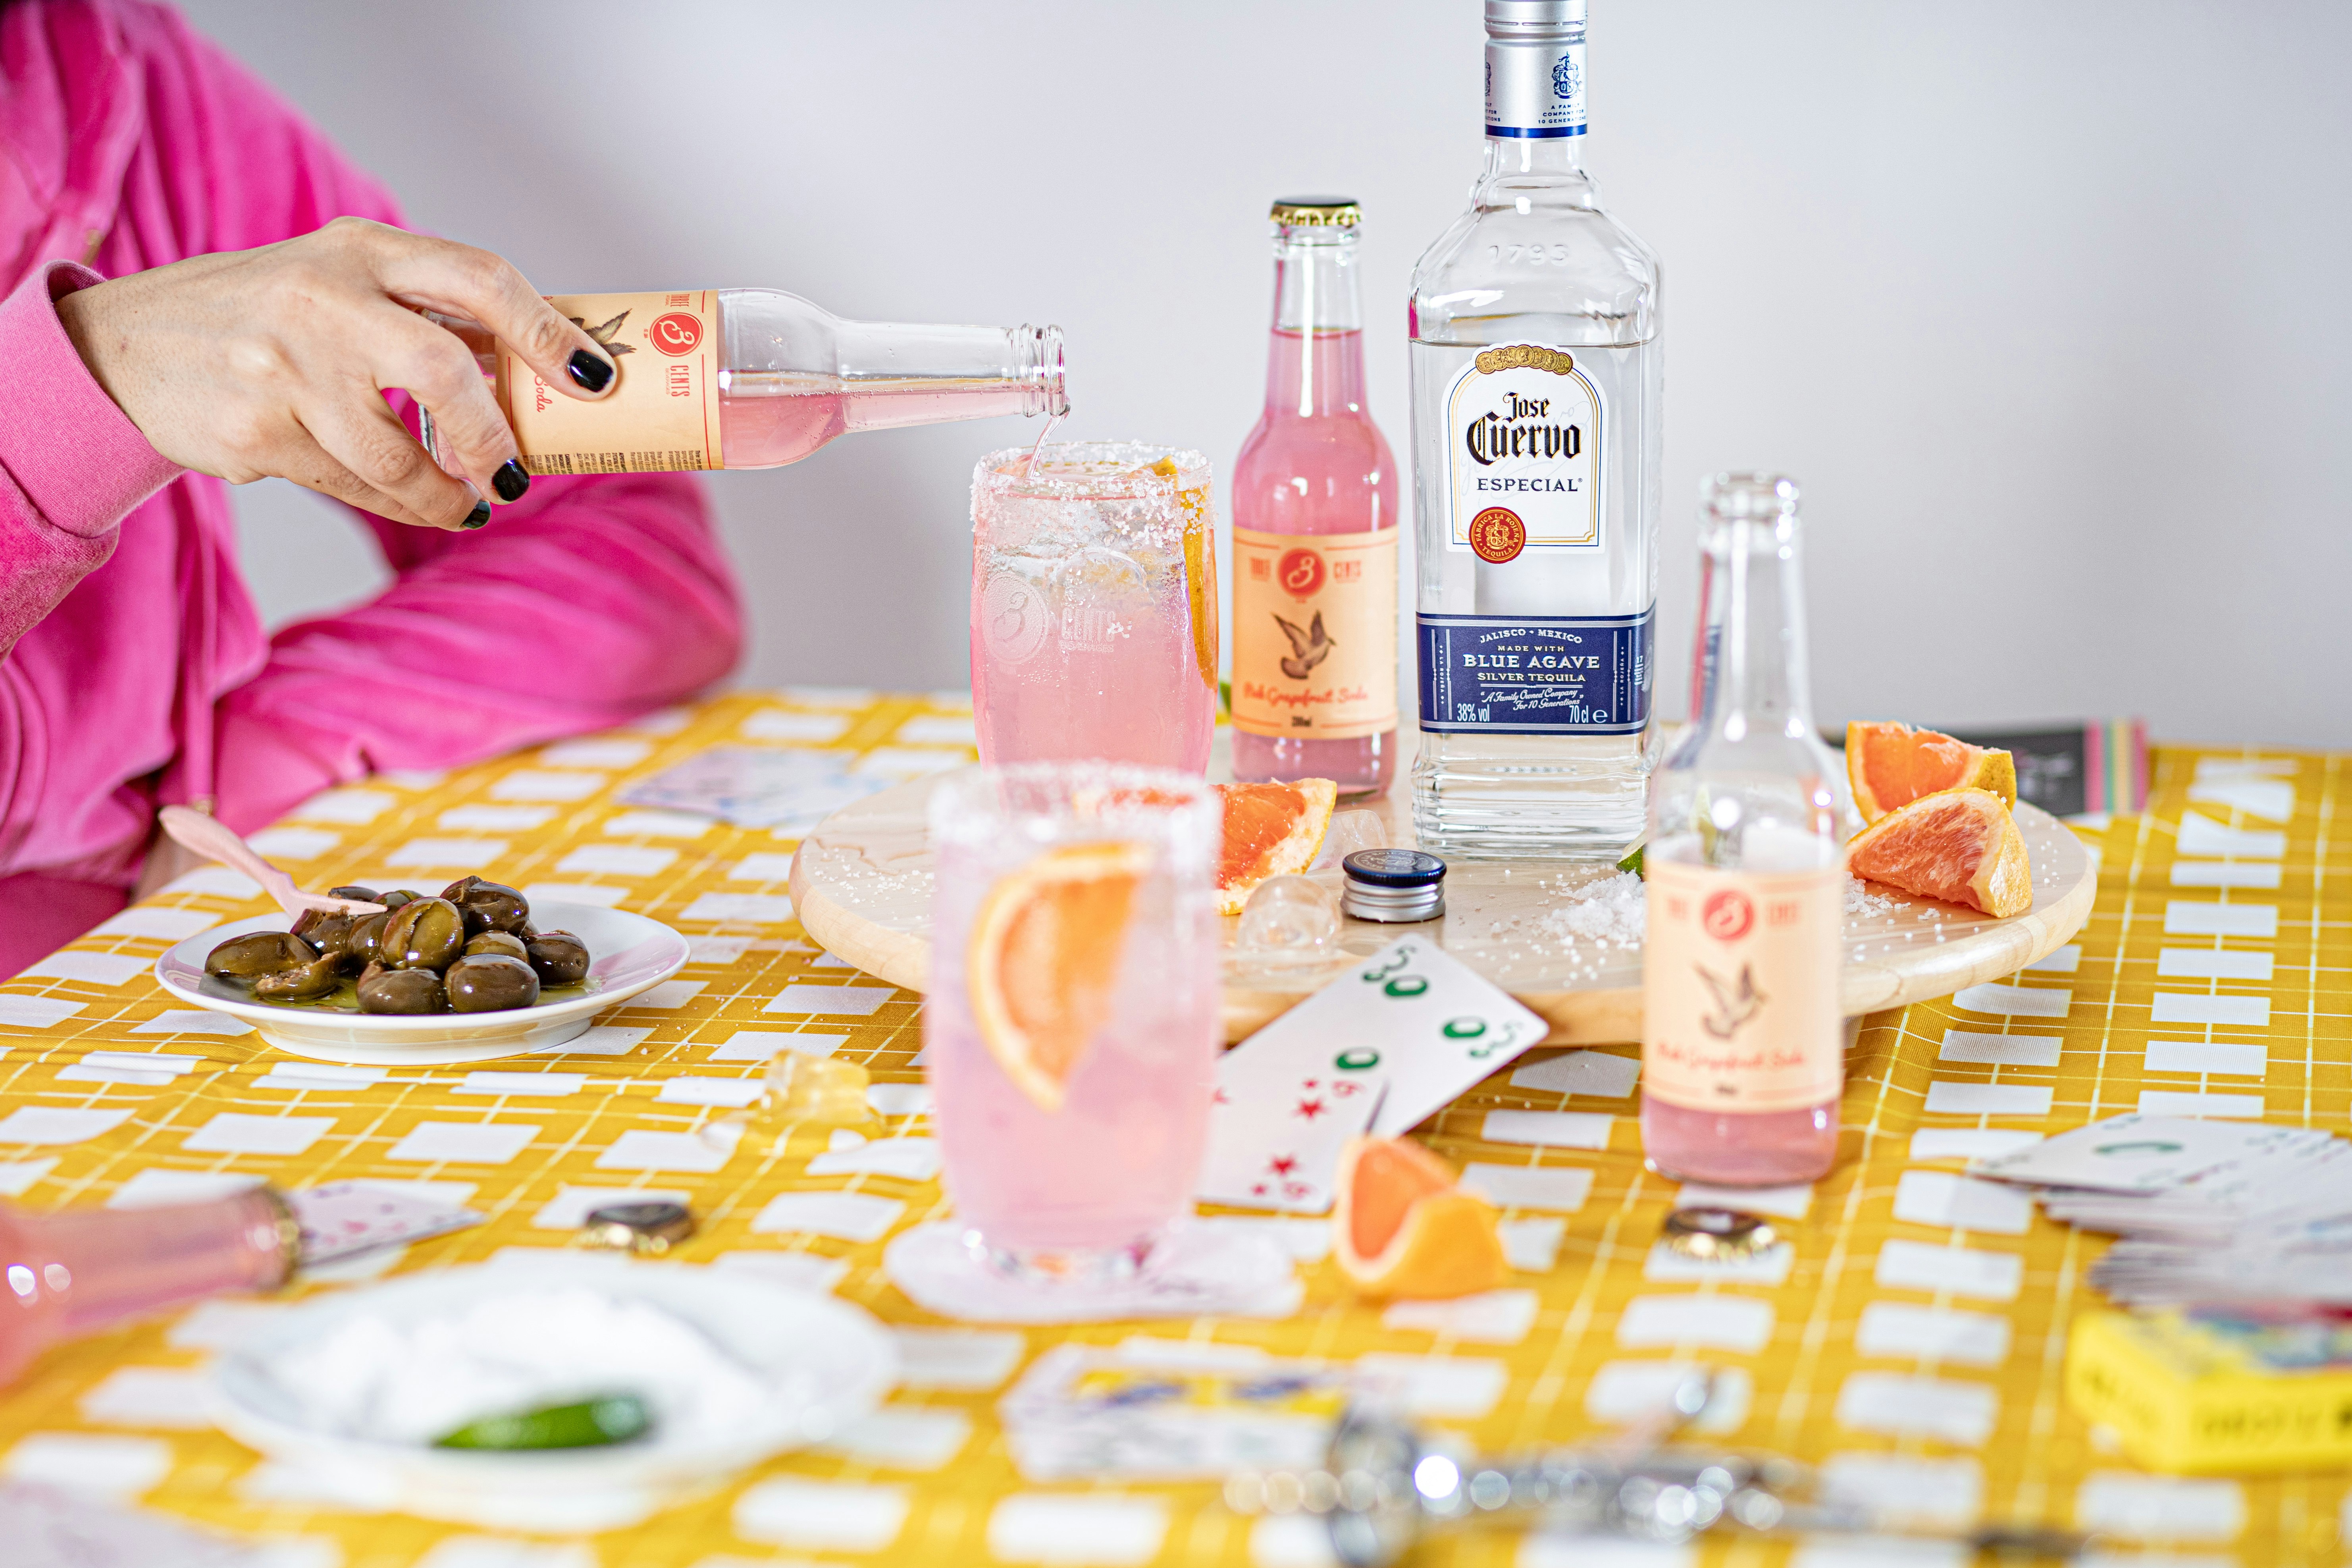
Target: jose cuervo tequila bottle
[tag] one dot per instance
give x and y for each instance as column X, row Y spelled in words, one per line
column 1535, row 385
column 1742, row 1043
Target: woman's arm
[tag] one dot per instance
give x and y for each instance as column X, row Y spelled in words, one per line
column 71, row 464
column 589, row 603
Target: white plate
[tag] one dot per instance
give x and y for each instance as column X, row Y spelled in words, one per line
column 829, row 1363
column 627, row 953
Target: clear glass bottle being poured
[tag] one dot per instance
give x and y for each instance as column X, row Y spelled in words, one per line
column 755, row 378
column 1742, row 1036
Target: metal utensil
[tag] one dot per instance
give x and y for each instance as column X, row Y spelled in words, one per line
column 211, row 839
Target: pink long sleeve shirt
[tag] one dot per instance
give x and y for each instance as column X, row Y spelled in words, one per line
column 136, row 672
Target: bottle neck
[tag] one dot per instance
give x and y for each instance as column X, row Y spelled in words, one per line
column 102, row 1266
column 1315, row 364
column 1753, row 678
column 895, row 375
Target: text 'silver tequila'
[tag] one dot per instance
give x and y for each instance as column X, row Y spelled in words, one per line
column 1535, row 385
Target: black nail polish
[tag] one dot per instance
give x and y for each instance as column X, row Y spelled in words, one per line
column 589, row 371
column 510, row 481
column 479, row 517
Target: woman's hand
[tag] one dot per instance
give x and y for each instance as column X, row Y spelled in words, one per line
column 273, row 362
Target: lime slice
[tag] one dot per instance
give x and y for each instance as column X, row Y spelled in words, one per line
column 1632, row 861
column 589, row 1423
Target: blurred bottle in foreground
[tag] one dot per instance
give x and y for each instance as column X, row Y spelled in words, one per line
column 1742, row 1038
column 755, row 378
column 80, row 1270
column 1315, row 618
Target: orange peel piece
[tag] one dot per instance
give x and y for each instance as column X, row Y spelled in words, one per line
column 1401, row 1226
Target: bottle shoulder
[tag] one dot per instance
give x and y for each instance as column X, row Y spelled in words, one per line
column 1520, row 251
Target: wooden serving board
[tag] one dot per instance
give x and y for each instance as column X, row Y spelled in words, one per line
column 862, row 885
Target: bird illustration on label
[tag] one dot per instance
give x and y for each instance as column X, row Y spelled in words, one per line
column 603, row 335
column 1732, row 1008
column 1309, row 648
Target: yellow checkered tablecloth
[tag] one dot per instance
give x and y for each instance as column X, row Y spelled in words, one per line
column 1912, row 1337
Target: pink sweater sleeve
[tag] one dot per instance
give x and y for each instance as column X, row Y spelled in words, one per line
column 71, row 464
column 586, row 603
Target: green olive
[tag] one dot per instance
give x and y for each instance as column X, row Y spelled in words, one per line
column 502, row 942
column 330, row 934
column 367, row 932
column 491, row 982
column 403, row 990
column 358, row 894
column 305, row 983
column 561, row 958
column 258, row 953
column 488, row 906
column 424, row 933
column 394, row 899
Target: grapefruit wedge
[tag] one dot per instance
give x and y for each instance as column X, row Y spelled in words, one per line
column 1043, row 963
column 1271, row 830
column 1402, row 1227
column 1891, row 764
column 1960, row 845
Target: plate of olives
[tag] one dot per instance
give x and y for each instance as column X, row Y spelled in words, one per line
column 468, row 975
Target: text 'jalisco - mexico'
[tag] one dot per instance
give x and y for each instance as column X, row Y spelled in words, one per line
column 1521, row 431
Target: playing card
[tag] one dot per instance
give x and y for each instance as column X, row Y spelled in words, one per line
column 752, row 787
column 344, row 1219
column 1410, row 1027
column 1275, row 1145
column 2134, row 1153
column 1083, row 1412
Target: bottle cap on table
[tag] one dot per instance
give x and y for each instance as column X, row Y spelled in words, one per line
column 1717, row 1233
column 1394, row 885
column 649, row 1229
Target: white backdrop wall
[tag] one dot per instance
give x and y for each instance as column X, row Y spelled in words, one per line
column 2045, row 305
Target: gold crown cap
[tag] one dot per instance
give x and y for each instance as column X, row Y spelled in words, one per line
column 1317, row 212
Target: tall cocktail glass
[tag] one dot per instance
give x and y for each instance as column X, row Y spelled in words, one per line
column 1072, row 1023
column 1094, row 605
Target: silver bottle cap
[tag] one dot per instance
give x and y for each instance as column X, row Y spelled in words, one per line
column 1532, row 18
column 1395, row 886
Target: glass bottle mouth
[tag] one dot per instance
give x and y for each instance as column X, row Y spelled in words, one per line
column 1041, row 371
column 1733, row 497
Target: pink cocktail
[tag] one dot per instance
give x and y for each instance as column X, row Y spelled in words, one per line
column 1072, row 1023
column 1094, row 605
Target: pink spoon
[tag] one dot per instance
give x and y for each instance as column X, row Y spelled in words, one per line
column 194, row 831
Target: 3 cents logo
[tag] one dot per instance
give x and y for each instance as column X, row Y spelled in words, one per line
column 1727, row 916
column 676, row 333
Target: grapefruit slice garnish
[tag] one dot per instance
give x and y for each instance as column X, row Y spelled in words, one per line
column 1270, row 830
column 1402, row 1227
column 1043, row 962
column 1960, row 845
column 1891, row 764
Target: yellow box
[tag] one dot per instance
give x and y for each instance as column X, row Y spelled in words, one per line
column 2211, row 1390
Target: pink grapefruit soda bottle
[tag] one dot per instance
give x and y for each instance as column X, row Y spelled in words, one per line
column 1315, row 530
column 1743, row 1041
column 80, row 1270
column 754, row 378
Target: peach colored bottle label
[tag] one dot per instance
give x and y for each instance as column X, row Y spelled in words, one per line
column 664, row 415
column 1315, row 634
column 1739, row 989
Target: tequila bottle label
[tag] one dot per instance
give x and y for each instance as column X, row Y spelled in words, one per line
column 1523, row 463
column 663, row 416
column 1315, row 634
column 1536, row 674
column 1740, row 988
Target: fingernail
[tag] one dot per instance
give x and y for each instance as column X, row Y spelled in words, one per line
column 479, row 516
column 510, row 481
column 590, row 372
